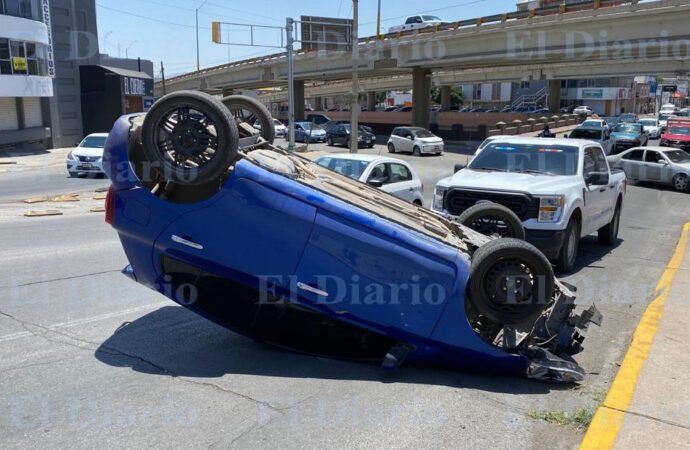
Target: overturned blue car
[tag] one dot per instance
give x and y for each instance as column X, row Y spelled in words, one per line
column 212, row 215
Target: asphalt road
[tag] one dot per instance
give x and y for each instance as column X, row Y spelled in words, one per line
column 88, row 357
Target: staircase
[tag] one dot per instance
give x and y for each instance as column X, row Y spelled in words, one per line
column 541, row 97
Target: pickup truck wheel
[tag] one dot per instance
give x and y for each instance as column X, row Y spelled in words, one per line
column 493, row 219
column 609, row 233
column 568, row 254
column 248, row 111
column 189, row 138
column 681, row 182
column 510, row 282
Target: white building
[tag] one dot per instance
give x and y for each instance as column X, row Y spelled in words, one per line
column 26, row 71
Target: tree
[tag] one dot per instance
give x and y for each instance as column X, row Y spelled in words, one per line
column 457, row 97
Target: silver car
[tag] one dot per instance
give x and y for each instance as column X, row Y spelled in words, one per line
column 656, row 164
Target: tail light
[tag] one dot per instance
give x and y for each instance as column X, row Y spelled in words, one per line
column 110, row 206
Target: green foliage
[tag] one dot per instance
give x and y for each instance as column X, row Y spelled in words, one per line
column 456, row 95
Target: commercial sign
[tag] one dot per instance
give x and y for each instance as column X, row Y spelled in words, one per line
column 590, row 94
column 45, row 9
column 19, row 64
column 134, row 86
column 148, row 103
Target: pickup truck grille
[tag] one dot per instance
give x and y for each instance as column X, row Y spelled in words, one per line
column 525, row 206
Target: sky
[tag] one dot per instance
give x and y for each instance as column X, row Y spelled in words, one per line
column 164, row 30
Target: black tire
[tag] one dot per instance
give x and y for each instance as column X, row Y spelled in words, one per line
column 416, row 151
column 391, row 147
column 510, row 282
column 371, row 146
column 247, row 109
column 330, row 141
column 347, row 143
column 189, row 148
column 681, row 182
column 609, row 234
column 568, row 254
column 418, row 203
column 493, row 219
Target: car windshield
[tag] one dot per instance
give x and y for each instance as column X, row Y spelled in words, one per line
column 277, row 122
column 627, row 128
column 527, row 158
column 664, row 116
column 430, row 18
column 93, row 142
column 362, row 129
column 422, row 133
column 307, row 126
column 348, row 167
column 679, row 130
column 592, row 123
column 581, row 133
column 678, row 156
column 648, row 122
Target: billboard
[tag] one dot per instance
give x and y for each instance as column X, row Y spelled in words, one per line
column 325, row 33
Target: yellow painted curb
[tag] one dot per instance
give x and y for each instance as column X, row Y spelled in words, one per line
column 608, row 420
column 97, row 209
column 56, row 199
column 47, row 212
column 99, row 197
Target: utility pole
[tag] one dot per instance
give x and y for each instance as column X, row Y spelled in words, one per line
column 198, row 63
column 378, row 23
column 354, row 105
column 289, row 26
column 163, row 77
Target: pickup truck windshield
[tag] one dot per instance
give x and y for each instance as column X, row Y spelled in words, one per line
column 679, row 130
column 580, row 133
column 431, row 19
column 527, row 158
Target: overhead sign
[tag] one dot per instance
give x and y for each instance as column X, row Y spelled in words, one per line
column 669, row 88
column 325, row 33
column 45, row 9
column 19, row 64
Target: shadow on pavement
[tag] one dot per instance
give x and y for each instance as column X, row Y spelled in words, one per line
column 591, row 252
column 175, row 342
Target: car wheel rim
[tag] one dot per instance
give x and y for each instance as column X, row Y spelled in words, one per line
column 681, row 183
column 187, row 137
column 492, row 226
column 509, row 283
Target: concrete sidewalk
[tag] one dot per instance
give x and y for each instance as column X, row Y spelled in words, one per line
column 648, row 405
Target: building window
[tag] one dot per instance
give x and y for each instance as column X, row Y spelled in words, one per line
column 27, row 9
column 22, row 58
column 5, row 60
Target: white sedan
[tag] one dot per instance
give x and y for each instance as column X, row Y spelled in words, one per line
column 416, row 140
column 87, row 157
column 388, row 174
column 583, row 110
column 281, row 130
column 651, row 127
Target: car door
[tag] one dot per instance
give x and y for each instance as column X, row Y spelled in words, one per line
column 632, row 163
column 407, row 140
column 595, row 195
column 299, row 132
column 401, row 183
column 652, row 168
column 398, row 140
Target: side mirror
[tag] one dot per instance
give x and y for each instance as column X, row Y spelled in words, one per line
column 663, row 161
column 597, row 178
column 375, row 182
column 565, row 136
column 458, row 167
column 410, row 138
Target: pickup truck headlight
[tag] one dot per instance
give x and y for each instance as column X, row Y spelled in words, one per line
column 551, row 208
column 439, row 194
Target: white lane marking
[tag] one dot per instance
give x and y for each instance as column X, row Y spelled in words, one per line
column 74, row 323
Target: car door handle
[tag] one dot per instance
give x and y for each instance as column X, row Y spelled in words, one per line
column 602, row 190
column 313, row 290
column 411, row 189
column 187, row 242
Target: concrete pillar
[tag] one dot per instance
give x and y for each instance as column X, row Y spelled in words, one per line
column 318, row 104
column 554, row 96
column 371, row 101
column 445, row 98
column 421, row 93
column 228, row 91
column 298, row 88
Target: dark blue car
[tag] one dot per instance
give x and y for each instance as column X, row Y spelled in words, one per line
column 272, row 246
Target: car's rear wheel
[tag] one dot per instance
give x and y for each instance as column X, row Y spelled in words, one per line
column 609, row 234
column 189, row 138
column 571, row 245
column 510, row 281
column 493, row 219
column 391, row 147
column 681, row 182
column 248, row 111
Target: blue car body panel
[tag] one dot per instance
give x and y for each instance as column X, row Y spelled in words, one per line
column 269, row 232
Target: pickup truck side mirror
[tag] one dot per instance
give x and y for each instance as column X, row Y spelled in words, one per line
column 597, row 178
column 375, row 182
column 458, row 167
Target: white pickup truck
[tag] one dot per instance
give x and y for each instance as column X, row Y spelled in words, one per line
column 561, row 190
column 417, row 22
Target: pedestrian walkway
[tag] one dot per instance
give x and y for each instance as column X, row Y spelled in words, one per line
column 648, row 405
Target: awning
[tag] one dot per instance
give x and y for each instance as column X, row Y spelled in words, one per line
column 127, row 73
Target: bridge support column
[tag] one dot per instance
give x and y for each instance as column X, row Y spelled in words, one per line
column 371, row 101
column 421, row 93
column 554, row 95
column 298, row 87
column 318, row 103
column 228, row 91
column 445, row 98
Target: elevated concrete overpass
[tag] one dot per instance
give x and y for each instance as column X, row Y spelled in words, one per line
column 631, row 39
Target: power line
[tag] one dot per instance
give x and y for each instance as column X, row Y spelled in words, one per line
column 149, row 18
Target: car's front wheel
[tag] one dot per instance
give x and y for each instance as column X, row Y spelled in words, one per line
column 416, row 151
column 681, row 182
column 510, row 281
column 391, row 147
column 330, row 141
column 571, row 245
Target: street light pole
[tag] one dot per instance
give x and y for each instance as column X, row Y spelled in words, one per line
column 290, row 39
column 354, row 105
column 198, row 62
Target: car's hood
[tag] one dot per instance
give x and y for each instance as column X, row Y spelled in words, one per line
column 685, row 166
column 651, row 128
column 87, row 151
column 316, row 132
column 430, row 140
column 518, row 182
column 620, row 135
column 676, row 137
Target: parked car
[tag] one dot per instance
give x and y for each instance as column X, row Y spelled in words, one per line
column 340, row 135
column 627, row 135
column 507, row 109
column 596, row 134
column 651, row 127
column 281, row 130
column 87, row 157
column 318, row 119
column 304, row 132
column 676, row 134
column 415, row 140
column 276, row 247
column 628, row 118
column 561, row 190
column 583, row 111
column 656, row 164
column 403, row 109
column 417, row 23
column 568, row 109
column 388, row 174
